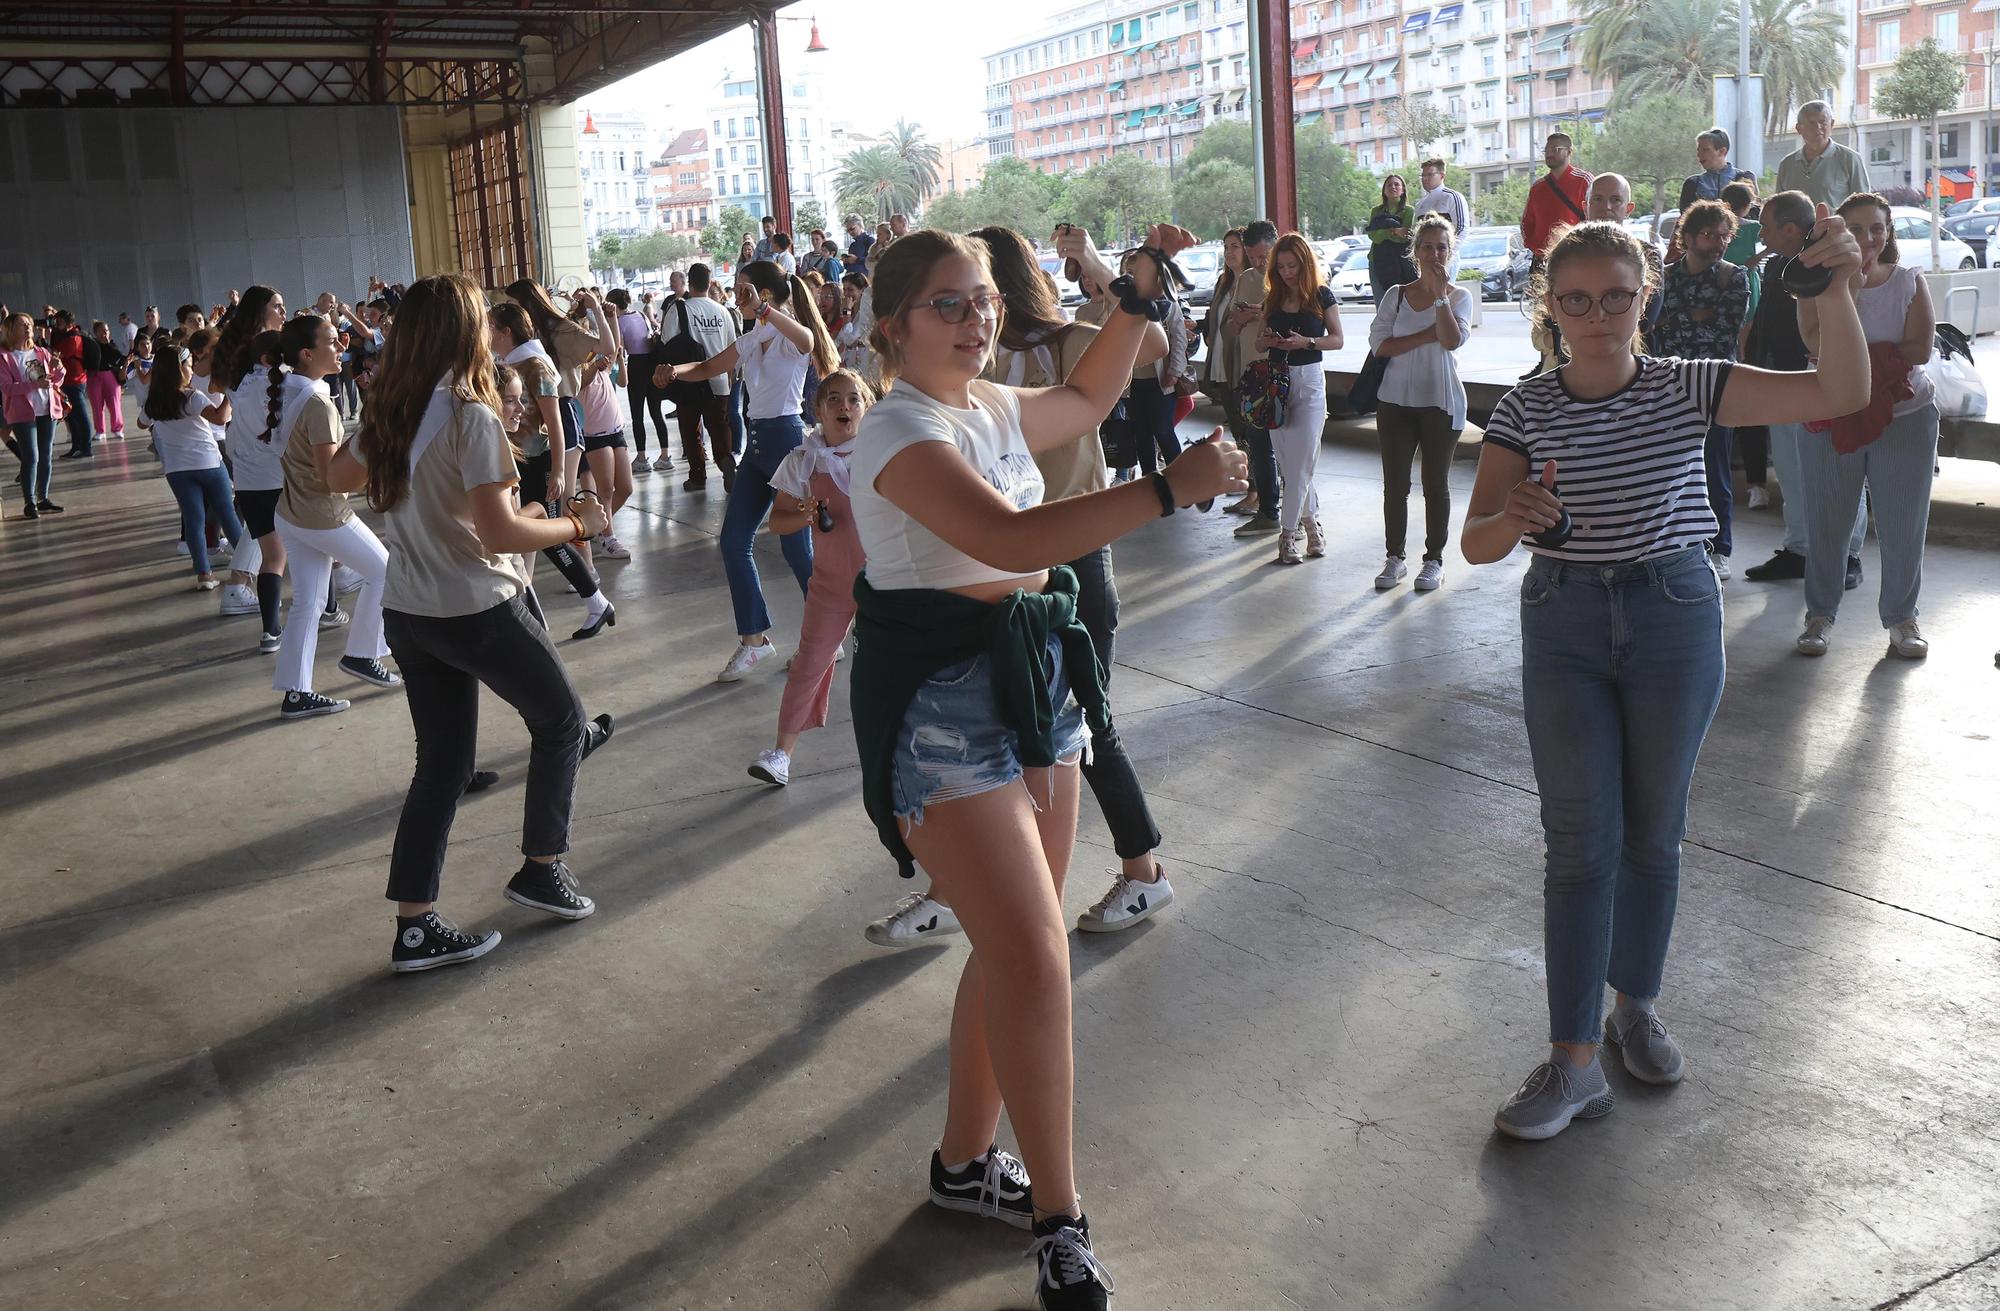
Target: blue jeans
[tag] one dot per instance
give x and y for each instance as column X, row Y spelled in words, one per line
column 1621, row 672
column 735, row 419
column 201, row 493
column 77, row 398
column 771, row 440
column 34, row 446
column 1897, row 470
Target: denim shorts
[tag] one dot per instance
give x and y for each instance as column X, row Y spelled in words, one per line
column 952, row 743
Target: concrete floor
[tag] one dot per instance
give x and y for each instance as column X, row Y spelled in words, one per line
column 715, row 1093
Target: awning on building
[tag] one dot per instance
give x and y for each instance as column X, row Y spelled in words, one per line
column 1333, row 79
column 1417, row 22
column 1155, row 111
column 1188, row 110
column 1114, row 88
column 1384, row 69
column 1135, row 118
column 1448, row 14
column 1310, row 117
column 1553, row 38
column 1355, row 74
column 1301, row 85
column 1305, row 49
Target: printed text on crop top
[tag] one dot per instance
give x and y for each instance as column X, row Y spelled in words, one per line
column 1629, row 467
column 901, row 552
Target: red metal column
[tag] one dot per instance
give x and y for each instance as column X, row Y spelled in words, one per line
column 771, row 112
column 516, row 135
column 1274, row 103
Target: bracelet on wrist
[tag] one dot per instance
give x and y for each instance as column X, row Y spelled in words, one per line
column 1165, row 491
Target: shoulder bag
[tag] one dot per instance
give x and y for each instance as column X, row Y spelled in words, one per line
column 1362, row 394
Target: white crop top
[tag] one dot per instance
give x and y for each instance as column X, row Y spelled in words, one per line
column 901, row 552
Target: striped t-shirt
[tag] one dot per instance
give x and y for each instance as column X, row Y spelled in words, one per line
column 1628, row 467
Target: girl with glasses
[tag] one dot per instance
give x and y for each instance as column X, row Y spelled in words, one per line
column 967, row 648
column 1598, row 463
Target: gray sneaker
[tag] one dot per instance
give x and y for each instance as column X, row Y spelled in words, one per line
column 1651, row 1054
column 1553, row 1095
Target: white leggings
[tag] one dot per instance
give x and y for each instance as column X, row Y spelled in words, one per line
column 1296, row 444
column 309, row 555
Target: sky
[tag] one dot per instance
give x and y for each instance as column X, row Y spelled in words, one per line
column 878, row 66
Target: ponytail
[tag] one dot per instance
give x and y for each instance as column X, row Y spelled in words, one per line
column 276, row 393
column 296, row 339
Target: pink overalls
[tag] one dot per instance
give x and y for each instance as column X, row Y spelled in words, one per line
column 829, row 612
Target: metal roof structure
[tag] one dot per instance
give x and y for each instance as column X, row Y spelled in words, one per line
column 443, row 53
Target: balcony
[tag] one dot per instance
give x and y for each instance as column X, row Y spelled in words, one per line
column 1875, row 56
column 1581, row 103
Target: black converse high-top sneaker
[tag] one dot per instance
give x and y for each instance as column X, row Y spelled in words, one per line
column 550, row 888
column 995, row 1185
column 1070, row 1277
column 424, row 942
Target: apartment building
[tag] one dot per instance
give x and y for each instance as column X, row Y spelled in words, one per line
column 1123, row 76
column 682, row 190
column 736, row 149
column 1968, row 143
column 613, row 151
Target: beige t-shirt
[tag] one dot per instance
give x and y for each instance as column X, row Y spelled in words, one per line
column 307, row 501
column 437, row 566
column 574, row 343
column 1078, row 467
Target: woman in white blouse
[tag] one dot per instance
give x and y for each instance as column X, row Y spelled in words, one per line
column 1421, row 401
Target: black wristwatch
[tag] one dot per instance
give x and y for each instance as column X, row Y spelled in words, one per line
column 1165, row 491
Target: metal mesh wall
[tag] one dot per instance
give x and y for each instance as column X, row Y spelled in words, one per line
column 160, row 206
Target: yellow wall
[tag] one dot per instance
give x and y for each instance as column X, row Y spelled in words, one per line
column 432, row 239
column 559, row 194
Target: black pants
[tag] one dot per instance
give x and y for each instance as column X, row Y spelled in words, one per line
column 1106, row 767
column 693, row 411
column 1753, row 444
column 642, row 395
column 1152, row 413
column 576, row 571
column 443, row 662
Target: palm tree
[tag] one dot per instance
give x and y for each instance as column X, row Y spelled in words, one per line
column 874, row 180
column 1674, row 47
column 919, row 156
column 1800, row 48
column 1606, row 24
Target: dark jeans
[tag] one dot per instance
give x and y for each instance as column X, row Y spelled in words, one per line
column 34, row 447
column 1721, row 486
column 643, row 396
column 1106, row 767
column 1389, row 265
column 1152, row 413
column 771, row 440
column 443, row 662
column 1263, row 470
column 76, row 396
column 693, row 413
column 1754, row 445
column 204, row 497
column 738, row 418
column 1406, row 431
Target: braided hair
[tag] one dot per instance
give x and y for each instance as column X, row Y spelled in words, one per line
column 294, row 339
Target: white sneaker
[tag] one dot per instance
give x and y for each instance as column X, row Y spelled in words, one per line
column 640, row 468
column 1759, row 499
column 663, row 465
column 1430, row 576
column 1128, row 902
column 744, row 659
column 345, row 580
column 1721, row 563
column 916, row 919
column 333, row 618
column 238, row 599
column 1907, row 640
column 773, row 766
column 611, row 548
column 1393, row 572
column 1814, row 640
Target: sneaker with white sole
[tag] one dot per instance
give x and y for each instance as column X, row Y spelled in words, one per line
column 346, row 580
column 238, row 599
column 1128, row 902
column 1908, row 641
column 611, row 548
column 551, row 888
column 772, row 766
column 663, row 465
column 1721, row 563
column 310, row 705
column 995, row 1185
column 334, row 618
column 369, row 671
column 424, row 942
column 269, row 642
column 1555, row 1093
column 1430, row 577
column 641, row 468
column 1650, row 1052
column 916, row 919
column 1393, row 571
column 1759, row 499
column 1068, row 1276
column 1816, row 637
column 744, row 659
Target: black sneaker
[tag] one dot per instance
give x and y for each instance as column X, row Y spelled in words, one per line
column 47, row 506
column 1853, row 572
column 481, row 780
column 427, row 941
column 1783, row 566
column 1071, row 1277
column 596, row 733
column 308, row 705
column 29, row 511
column 550, row 888
column 369, row 671
column 996, row 1187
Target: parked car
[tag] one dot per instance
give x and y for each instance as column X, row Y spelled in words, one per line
column 1661, row 232
column 1975, row 229
column 1350, row 281
column 1499, row 257
column 1974, row 205
column 1332, row 250
column 1071, row 294
column 1913, row 242
column 1203, row 265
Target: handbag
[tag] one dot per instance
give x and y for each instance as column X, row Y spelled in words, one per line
column 1960, row 392
column 1119, row 437
column 1266, row 390
column 1363, row 393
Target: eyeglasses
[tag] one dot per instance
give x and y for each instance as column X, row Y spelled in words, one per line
column 1576, row 304
column 954, row 309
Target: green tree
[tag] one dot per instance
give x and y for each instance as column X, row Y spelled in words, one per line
column 606, row 252
column 1335, row 193
column 1214, row 196
column 920, row 158
column 1012, row 194
column 721, row 238
column 1801, row 49
column 1925, row 82
column 1678, row 46
column 875, row 181
column 807, row 215
column 1225, row 139
column 1651, row 142
column 1117, row 198
column 1420, row 122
